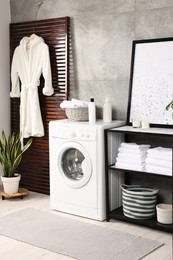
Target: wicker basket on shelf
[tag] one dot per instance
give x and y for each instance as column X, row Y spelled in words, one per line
column 77, row 114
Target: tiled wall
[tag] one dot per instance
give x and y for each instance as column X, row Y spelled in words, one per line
column 102, row 34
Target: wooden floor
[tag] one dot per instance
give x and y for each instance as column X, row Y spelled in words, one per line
column 11, row 249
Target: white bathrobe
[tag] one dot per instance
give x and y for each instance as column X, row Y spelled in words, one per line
column 30, row 59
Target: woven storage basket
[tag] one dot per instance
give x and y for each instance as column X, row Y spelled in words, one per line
column 139, row 202
column 77, row 114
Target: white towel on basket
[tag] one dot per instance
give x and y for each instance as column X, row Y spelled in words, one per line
column 74, row 103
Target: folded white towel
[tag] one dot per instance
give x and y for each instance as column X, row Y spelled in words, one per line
column 159, row 170
column 73, row 103
column 131, row 151
column 167, row 158
column 158, row 162
column 67, row 104
column 135, row 146
column 160, row 150
column 133, row 156
column 129, row 166
column 80, row 102
column 136, row 162
column 160, row 153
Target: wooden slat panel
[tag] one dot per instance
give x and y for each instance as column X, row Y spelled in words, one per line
column 35, row 164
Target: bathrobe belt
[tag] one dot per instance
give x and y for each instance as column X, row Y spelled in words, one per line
column 26, row 88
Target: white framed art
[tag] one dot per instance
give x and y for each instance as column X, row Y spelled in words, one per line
column 151, row 82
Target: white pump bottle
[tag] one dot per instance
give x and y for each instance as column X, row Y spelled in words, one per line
column 107, row 111
column 92, row 111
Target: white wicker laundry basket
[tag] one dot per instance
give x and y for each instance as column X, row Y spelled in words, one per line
column 77, row 114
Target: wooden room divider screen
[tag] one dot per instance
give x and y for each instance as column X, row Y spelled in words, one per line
column 56, row 33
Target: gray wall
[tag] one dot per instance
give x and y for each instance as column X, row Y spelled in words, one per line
column 102, row 34
column 4, row 69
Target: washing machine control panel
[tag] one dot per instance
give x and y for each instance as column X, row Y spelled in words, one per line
column 81, row 134
column 75, row 133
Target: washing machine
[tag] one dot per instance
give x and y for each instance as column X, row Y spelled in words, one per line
column 77, row 168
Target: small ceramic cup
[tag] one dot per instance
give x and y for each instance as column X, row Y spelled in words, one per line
column 136, row 123
column 145, row 125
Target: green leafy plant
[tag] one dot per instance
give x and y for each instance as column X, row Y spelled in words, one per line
column 11, row 152
column 170, row 106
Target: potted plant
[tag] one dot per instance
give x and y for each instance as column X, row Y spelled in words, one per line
column 11, row 152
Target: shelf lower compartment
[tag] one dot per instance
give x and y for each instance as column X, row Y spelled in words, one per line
column 152, row 223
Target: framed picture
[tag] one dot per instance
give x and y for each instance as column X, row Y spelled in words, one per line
column 151, row 82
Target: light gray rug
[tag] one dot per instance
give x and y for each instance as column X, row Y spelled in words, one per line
column 74, row 238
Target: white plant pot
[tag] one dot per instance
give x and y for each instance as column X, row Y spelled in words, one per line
column 11, row 185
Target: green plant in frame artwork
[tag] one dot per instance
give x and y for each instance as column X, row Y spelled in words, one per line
column 170, row 106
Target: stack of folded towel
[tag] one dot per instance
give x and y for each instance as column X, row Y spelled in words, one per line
column 159, row 160
column 73, row 103
column 132, row 156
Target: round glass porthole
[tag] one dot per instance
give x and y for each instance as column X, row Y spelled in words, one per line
column 74, row 164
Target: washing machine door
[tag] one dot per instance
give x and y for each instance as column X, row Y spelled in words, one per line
column 74, row 164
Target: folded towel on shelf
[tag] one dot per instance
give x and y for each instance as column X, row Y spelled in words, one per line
column 159, row 170
column 135, row 146
column 159, row 162
column 160, row 150
column 161, row 157
column 137, row 162
column 129, row 166
column 133, row 156
column 131, row 151
column 160, row 153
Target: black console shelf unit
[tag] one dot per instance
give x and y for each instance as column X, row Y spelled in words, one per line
column 118, row 214
column 110, row 166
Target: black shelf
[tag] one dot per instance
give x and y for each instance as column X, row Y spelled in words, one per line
column 127, row 131
column 152, row 223
column 112, row 167
column 138, row 131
